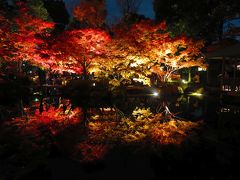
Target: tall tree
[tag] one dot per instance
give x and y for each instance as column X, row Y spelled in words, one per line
column 37, row 9
column 57, row 11
column 92, row 13
column 182, row 16
column 129, row 10
column 129, row 6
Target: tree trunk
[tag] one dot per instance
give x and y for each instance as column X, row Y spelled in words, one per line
column 189, row 76
column 41, row 105
column 42, row 76
column 85, row 74
column 19, row 67
column 220, row 29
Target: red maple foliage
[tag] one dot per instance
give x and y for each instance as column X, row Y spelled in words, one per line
column 30, row 35
column 23, row 37
column 54, row 119
column 75, row 50
column 6, row 39
column 91, row 12
column 144, row 49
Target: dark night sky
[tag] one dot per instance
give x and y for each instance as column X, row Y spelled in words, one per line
column 113, row 11
column 145, row 9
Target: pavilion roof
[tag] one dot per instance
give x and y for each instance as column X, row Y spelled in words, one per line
column 231, row 51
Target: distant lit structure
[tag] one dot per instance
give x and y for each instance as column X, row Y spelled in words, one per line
column 224, row 71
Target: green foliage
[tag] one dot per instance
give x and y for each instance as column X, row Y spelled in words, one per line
column 196, row 18
column 37, row 9
column 178, row 28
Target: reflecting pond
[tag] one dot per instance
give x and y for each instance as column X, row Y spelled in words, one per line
column 52, row 137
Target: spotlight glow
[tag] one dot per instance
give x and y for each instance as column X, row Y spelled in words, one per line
column 155, row 94
column 184, row 81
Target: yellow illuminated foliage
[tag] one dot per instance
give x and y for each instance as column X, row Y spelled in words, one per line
column 148, row 48
column 105, row 130
column 142, row 127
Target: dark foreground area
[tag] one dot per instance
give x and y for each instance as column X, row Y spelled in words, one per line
column 210, row 152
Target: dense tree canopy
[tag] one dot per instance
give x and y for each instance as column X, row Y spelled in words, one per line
column 57, row 11
column 78, row 51
column 182, row 16
column 145, row 48
column 22, row 37
column 6, row 43
column 149, row 48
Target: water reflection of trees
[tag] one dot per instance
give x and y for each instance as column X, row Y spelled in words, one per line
column 45, row 122
column 58, row 127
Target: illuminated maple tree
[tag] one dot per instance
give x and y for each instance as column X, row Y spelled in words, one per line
column 79, row 49
column 148, row 48
column 122, row 60
column 24, row 38
column 71, row 51
column 29, row 36
column 6, row 43
column 163, row 52
column 144, row 49
column 29, row 42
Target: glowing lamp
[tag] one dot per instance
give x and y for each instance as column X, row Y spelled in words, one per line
column 155, row 94
column 201, row 69
column 184, row 81
column 36, row 99
column 238, row 67
column 196, row 94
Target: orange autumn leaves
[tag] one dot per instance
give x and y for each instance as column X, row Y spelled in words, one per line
column 104, row 130
column 144, row 49
column 147, row 48
column 143, row 127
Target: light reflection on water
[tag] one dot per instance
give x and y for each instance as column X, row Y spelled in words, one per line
column 206, row 108
column 219, row 118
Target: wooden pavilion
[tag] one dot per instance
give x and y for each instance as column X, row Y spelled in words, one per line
column 223, row 73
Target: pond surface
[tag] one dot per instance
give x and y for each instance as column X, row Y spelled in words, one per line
column 45, row 151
